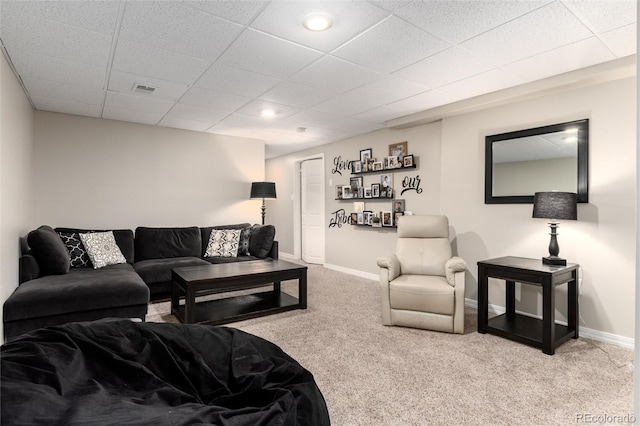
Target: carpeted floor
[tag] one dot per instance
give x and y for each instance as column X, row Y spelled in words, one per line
column 376, row 375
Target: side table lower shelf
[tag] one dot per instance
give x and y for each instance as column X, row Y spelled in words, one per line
column 525, row 329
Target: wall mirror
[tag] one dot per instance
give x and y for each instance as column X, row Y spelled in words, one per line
column 550, row 158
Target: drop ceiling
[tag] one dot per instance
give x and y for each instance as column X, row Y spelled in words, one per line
column 215, row 65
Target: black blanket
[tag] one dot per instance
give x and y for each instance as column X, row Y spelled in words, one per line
column 118, row 372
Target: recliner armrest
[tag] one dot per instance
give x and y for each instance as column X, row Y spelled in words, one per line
column 453, row 265
column 392, row 264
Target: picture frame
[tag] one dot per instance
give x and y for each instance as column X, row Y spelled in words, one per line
column 392, row 162
column 365, row 154
column 386, row 181
column 346, row 192
column 367, row 193
column 387, row 218
column 353, row 219
column 355, row 183
column 360, row 218
column 375, row 190
column 338, row 192
column 390, row 193
column 397, row 206
column 396, row 216
column 358, row 206
column 356, row 167
column 368, row 215
column 377, row 165
column 407, row 160
column 398, row 149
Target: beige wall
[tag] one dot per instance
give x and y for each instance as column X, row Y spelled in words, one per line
column 101, row 173
column 16, row 145
column 451, row 168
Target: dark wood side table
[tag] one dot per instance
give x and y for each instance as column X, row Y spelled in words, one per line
column 545, row 333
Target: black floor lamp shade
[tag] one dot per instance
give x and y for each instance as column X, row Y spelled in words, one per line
column 263, row 190
column 554, row 206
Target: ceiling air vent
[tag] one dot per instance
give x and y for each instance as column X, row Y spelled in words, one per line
column 141, row 88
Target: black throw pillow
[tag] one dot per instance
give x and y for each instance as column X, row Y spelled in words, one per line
column 261, row 240
column 49, row 250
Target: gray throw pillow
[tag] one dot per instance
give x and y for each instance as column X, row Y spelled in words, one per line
column 102, row 249
column 49, row 250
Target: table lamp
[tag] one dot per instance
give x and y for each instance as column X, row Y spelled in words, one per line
column 555, row 205
column 263, row 190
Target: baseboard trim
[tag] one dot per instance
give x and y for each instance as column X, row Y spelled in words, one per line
column 286, row 256
column 361, row 274
column 589, row 333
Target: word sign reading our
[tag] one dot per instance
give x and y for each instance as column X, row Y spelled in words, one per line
column 341, row 164
column 411, row 184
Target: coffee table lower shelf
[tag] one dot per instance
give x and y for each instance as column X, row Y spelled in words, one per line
column 525, row 329
column 238, row 308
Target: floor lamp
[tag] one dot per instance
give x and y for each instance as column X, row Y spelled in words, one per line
column 264, row 190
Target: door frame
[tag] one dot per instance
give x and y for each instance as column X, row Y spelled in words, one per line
column 297, row 207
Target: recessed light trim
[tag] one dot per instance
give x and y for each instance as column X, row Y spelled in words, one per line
column 267, row 113
column 317, row 22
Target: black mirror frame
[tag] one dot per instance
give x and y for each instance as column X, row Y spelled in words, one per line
column 583, row 161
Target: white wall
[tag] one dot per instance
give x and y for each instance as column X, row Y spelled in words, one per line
column 451, row 168
column 16, row 145
column 107, row 174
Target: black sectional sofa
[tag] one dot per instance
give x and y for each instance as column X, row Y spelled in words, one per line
column 57, row 286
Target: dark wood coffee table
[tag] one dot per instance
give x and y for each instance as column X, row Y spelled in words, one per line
column 194, row 281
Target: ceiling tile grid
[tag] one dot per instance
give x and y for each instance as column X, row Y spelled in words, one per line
column 216, row 64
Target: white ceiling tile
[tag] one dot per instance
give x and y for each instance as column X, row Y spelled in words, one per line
column 67, row 92
column 245, row 121
column 132, row 116
column 547, row 28
column 124, row 82
column 422, row 102
column 311, row 118
column 480, row 84
column 214, row 99
column 345, row 105
column 621, row 41
column 284, row 19
column 162, row 24
column 56, row 69
column 296, row 95
column 183, row 123
column 568, row 58
column 181, row 110
column 444, row 67
column 381, row 114
column 258, row 52
column 309, row 132
column 67, row 107
column 456, row 21
column 241, row 12
column 235, row 80
column 391, row 5
column 604, row 15
column 151, row 61
column 385, row 91
column 32, row 34
column 92, row 15
column 254, row 107
column 335, row 75
column 377, row 48
column 143, row 103
column 351, row 125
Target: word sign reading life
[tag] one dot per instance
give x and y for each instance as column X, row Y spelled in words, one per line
column 339, row 218
column 411, row 184
column 340, row 164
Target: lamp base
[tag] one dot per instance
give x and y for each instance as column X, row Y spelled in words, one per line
column 554, row 260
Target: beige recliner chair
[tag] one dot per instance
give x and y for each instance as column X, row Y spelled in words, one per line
column 422, row 285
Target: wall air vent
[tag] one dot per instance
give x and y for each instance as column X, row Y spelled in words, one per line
column 141, row 88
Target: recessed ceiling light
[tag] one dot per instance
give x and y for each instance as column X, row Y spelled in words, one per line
column 267, row 113
column 317, row 22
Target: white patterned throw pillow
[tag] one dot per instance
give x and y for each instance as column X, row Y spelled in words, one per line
column 224, row 243
column 102, row 249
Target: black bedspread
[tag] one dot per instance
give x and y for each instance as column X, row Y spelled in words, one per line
column 117, row 372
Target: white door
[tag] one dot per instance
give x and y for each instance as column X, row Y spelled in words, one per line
column 311, row 210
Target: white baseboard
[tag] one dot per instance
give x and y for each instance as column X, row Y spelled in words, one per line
column 589, row 333
column 361, row 274
column 286, row 256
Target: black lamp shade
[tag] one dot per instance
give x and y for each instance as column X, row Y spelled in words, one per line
column 555, row 205
column 263, row 190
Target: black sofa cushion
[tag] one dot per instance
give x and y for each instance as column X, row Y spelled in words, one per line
column 124, row 239
column 159, row 270
column 161, row 243
column 82, row 289
column 49, row 250
column 261, row 240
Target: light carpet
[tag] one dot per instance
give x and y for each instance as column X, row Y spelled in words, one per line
column 370, row 374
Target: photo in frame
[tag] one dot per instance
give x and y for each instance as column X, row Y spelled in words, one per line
column 354, row 219
column 392, row 162
column 358, row 206
column 398, row 149
column 387, row 219
column 375, row 190
column 367, row 193
column 365, row 154
column 338, row 192
column 357, row 167
column 407, row 161
column 346, row 192
column 368, row 214
column 360, row 218
column 377, row 165
column 396, row 216
column 397, row 206
column 355, row 183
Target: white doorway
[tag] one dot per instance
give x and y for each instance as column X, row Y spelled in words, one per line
column 311, row 183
